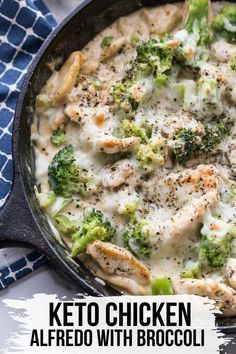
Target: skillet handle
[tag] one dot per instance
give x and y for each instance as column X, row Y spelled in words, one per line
column 17, row 223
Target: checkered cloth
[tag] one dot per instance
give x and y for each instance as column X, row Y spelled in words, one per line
column 24, row 25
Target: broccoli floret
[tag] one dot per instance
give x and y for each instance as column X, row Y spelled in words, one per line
column 225, row 23
column 216, row 242
column 155, row 57
column 136, row 238
column 192, row 266
column 197, row 21
column 94, row 226
column 65, row 176
column 162, row 286
column 196, row 36
column 130, row 206
column 42, row 102
column 124, row 96
column 58, row 137
column 152, row 154
column 188, row 143
column 192, row 269
column 134, row 40
column 65, row 225
column 49, row 200
column 106, row 42
column 130, row 128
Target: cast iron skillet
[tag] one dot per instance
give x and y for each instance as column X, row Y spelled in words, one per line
column 22, row 221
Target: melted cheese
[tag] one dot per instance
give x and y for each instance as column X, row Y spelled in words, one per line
column 172, row 198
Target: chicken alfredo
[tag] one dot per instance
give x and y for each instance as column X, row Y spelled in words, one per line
column 134, row 140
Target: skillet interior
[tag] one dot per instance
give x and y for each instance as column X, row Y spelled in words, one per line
column 78, row 29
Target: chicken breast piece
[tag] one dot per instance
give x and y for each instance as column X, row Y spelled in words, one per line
column 186, row 222
column 62, row 82
column 119, row 267
column 112, row 145
column 113, row 48
column 162, row 19
column 224, row 296
column 231, row 272
column 179, row 188
column 133, row 25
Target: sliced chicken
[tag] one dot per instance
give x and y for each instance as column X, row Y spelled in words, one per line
column 224, row 296
column 186, row 222
column 162, row 19
column 179, row 188
column 113, row 48
column 112, row 145
column 231, row 272
column 84, row 100
column 128, row 26
column 62, row 82
column 118, row 267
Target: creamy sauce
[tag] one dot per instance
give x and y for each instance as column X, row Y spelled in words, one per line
column 164, row 192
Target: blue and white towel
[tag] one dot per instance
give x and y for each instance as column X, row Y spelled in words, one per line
column 24, row 25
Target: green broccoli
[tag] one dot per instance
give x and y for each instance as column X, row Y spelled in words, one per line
column 94, row 226
column 153, row 63
column 152, row 154
column 130, row 128
column 197, row 21
column 136, row 238
column 225, row 23
column 65, row 225
column 162, row 286
column 192, row 269
column 65, row 176
column 124, row 96
column 130, row 206
column 134, row 40
column 192, row 266
column 155, row 57
column 196, row 35
column 42, row 102
column 216, row 242
column 49, row 200
column 58, row 137
column 106, row 42
column 188, row 143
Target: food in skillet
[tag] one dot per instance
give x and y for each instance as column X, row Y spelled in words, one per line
column 134, row 141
